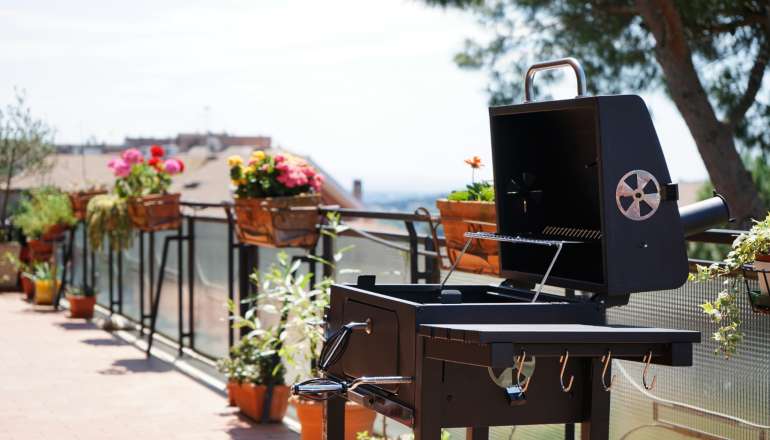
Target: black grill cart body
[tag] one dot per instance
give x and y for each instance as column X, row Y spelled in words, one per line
column 584, row 202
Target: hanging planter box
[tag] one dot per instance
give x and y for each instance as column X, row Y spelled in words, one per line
column 155, row 212
column 251, row 398
column 278, row 221
column 457, row 218
column 80, row 201
column 40, row 250
column 54, row 233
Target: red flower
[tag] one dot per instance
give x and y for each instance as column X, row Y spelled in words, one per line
column 154, row 162
column 157, row 151
column 181, row 165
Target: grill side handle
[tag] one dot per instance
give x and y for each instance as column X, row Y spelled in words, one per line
column 704, row 215
column 550, row 65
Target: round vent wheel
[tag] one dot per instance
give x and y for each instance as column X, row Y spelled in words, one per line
column 638, row 195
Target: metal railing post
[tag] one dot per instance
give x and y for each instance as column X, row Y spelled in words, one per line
column 141, row 282
column 230, row 275
column 191, row 281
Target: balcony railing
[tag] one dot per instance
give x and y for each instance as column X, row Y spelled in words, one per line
column 716, row 398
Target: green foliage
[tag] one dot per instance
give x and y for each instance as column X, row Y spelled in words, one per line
column 43, row 208
column 254, row 359
column 724, row 310
column 42, row 271
column 445, row 435
column 17, row 264
column 477, row 192
column 144, row 179
column 25, row 145
column 107, row 219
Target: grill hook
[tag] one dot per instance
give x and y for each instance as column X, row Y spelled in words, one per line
column 607, row 361
column 647, row 361
column 563, row 361
column 519, row 368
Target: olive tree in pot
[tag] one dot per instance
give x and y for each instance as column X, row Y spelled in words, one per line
column 25, row 145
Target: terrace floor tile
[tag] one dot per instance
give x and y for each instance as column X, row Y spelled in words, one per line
column 62, row 382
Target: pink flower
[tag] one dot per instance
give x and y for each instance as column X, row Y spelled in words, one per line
column 309, row 171
column 172, row 166
column 279, row 158
column 316, row 182
column 119, row 167
column 132, row 156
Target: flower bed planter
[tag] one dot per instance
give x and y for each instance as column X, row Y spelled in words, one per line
column 80, row 201
column 250, row 399
column 81, row 306
column 459, row 217
column 40, row 250
column 45, row 291
column 310, row 414
column 155, row 212
column 278, row 221
column 232, row 389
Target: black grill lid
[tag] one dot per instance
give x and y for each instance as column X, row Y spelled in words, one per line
column 591, row 170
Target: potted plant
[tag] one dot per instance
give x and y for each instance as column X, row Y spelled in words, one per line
column 82, row 302
column 145, row 183
column 80, row 199
column 9, row 269
column 43, row 216
column 255, row 373
column 107, row 219
column 276, row 200
column 302, row 310
column 750, row 252
column 471, row 210
column 46, row 283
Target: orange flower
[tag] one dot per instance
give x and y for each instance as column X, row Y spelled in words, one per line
column 474, row 162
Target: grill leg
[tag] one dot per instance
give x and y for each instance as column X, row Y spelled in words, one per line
column 597, row 426
column 477, row 433
column 335, row 418
column 427, row 424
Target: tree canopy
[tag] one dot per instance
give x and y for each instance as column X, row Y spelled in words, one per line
column 710, row 56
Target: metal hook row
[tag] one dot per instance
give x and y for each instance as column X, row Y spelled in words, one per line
column 606, row 362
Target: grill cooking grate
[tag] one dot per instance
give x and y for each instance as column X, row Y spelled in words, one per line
column 583, row 234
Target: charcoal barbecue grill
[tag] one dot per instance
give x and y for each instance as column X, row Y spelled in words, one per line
column 584, row 203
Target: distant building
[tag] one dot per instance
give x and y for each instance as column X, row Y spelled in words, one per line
column 181, row 143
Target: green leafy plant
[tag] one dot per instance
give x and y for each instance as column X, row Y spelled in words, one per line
column 86, row 291
column 253, row 358
column 445, row 435
column 43, row 271
column 724, row 309
column 42, row 209
column 476, row 191
column 107, row 219
column 17, row 264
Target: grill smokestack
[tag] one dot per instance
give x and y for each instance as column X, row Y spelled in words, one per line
column 704, row 215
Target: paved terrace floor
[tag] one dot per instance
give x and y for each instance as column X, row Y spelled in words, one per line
column 62, row 378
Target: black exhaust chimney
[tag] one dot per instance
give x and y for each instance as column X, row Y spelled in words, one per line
column 704, row 215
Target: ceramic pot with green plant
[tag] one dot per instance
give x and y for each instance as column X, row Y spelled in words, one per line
column 471, row 210
column 82, row 301
column 46, row 283
column 750, row 253
column 43, row 215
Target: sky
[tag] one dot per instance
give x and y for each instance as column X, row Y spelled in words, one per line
column 367, row 88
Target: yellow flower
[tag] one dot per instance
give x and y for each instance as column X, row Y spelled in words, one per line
column 234, row 161
column 258, row 155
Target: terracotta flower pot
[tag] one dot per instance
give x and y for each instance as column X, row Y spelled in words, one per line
column 81, row 306
column 310, row 415
column 250, row 399
column 232, row 389
column 155, row 212
column 40, row 250
column 457, row 218
column 45, row 291
column 28, row 286
column 762, row 266
column 278, row 221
